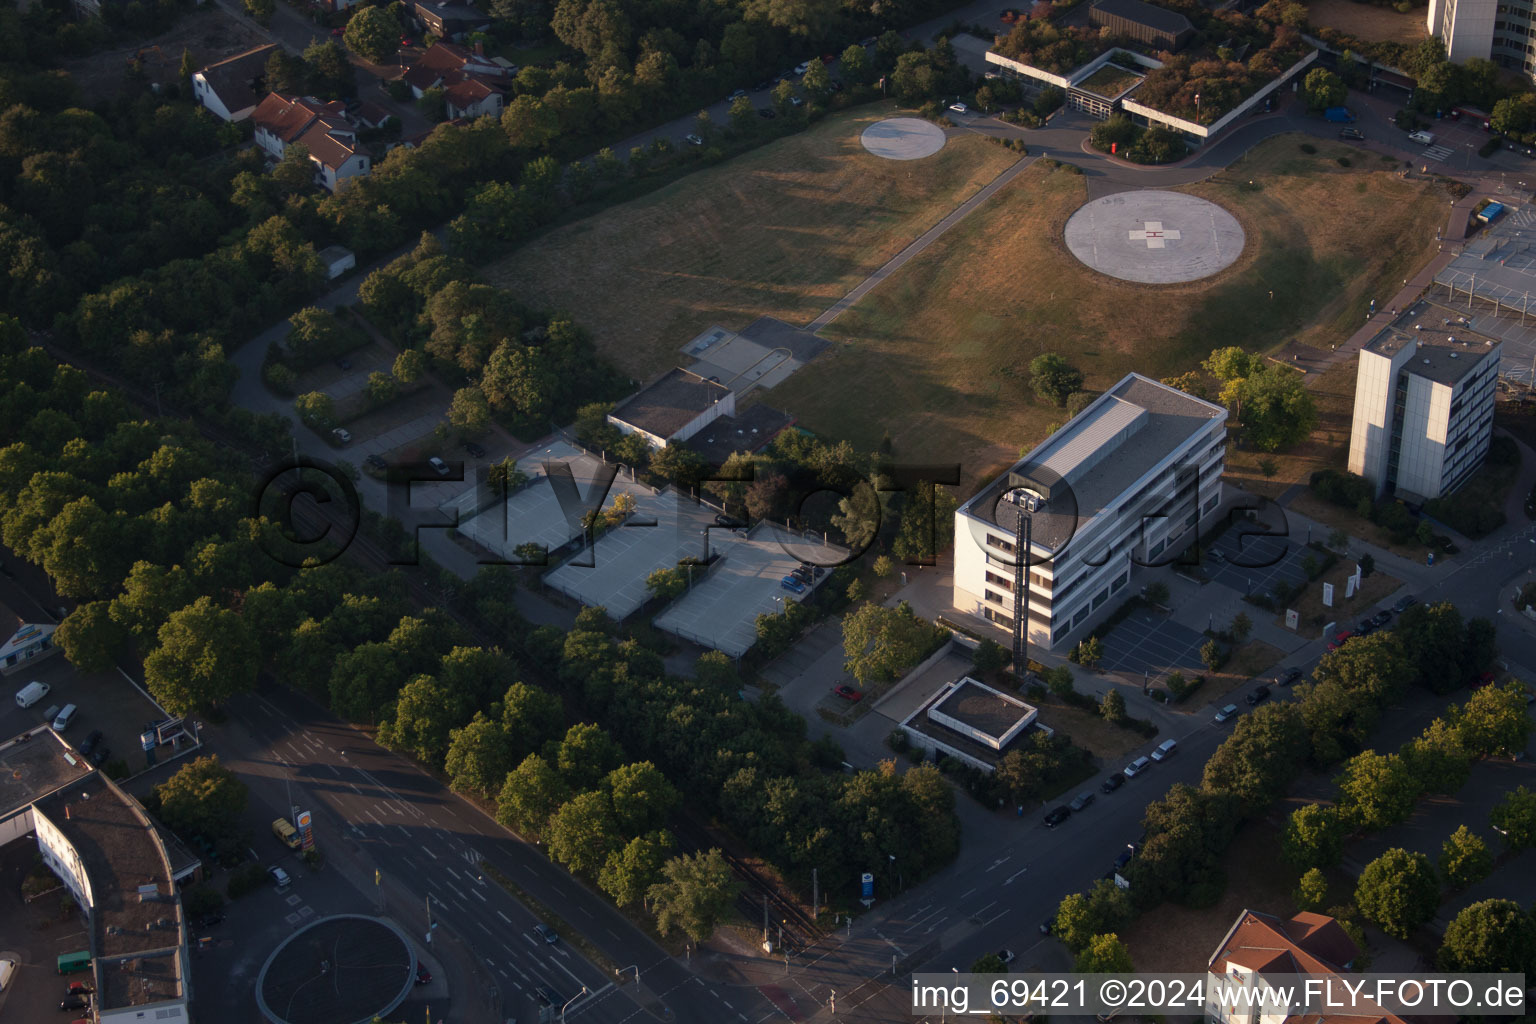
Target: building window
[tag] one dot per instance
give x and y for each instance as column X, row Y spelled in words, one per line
column 1215, row 500
column 1100, row 598
column 1157, row 549
column 998, row 617
column 1006, row 584
column 1121, row 580
column 995, row 597
column 1000, row 544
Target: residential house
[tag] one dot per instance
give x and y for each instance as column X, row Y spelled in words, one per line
column 472, row 84
column 232, row 87
column 1259, row 947
column 451, row 21
column 322, row 128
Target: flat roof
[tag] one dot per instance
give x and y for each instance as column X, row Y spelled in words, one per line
column 120, row 852
column 982, row 708
column 33, row 765
column 1158, row 18
column 670, row 403
column 1444, row 353
column 748, row 431
column 1099, row 455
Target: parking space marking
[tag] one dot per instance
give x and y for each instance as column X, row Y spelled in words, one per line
column 504, row 917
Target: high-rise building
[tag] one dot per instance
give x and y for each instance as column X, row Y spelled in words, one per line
column 1495, row 30
column 1423, row 409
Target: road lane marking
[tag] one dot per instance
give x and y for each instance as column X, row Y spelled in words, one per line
column 1016, row 874
column 478, row 896
column 504, row 917
column 450, row 870
column 429, row 853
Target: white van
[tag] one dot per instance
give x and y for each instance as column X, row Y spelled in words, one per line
column 1422, row 138
column 31, row 694
column 1165, row 750
column 66, row 718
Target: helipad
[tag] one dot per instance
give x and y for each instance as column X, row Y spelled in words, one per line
column 903, row 138
column 1155, row 237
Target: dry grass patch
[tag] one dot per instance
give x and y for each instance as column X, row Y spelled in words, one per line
column 1326, row 448
column 1335, row 518
column 938, row 354
column 1257, row 879
column 1249, row 660
column 785, row 230
column 1367, row 21
column 1345, row 611
column 1107, row 742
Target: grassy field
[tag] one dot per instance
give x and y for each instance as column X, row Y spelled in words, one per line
column 963, row 320
column 785, row 231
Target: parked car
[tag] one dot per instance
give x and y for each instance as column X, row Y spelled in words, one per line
column 762, row 87
column 729, row 522
column 438, row 466
column 868, row 41
column 766, row 113
column 1288, row 677
column 407, row 41
column 1258, row 695
column 1165, row 750
column 1006, row 956
column 31, row 694
column 829, row 58
column 738, row 94
column 209, row 920
column 1351, row 133
column 76, row 987
column 1081, row 801
column 1227, row 713
column 279, row 876
column 423, row 976
column 376, row 462
column 342, row 435
column 792, row 584
column 1217, row 557
column 65, row 718
column 1404, row 603
column 1122, row 860
column 1137, row 766
column 802, row 68
column 1056, row 815
column 474, row 449
column 1340, row 639
column 1365, row 627
column 1422, row 138
column 694, row 140
column 1047, row 925
column 848, row 693
column 802, row 574
column 1113, row 783
column 958, row 107
column 88, row 747
column 1381, row 618
column 548, row 934
column 337, row 33
column 796, row 101
column 816, row 571
column 75, row 1001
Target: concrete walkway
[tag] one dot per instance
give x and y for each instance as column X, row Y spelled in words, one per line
column 924, row 241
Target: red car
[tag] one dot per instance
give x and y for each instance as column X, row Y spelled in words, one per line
column 338, row 32
column 848, row 693
column 828, row 58
column 1338, row 641
column 405, row 41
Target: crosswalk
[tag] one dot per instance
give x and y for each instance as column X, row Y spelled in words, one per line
column 1439, row 153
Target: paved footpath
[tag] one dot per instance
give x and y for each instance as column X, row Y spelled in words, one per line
column 928, row 237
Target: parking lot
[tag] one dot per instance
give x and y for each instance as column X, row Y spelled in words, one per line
column 1252, row 563
column 720, row 611
column 665, row 529
column 1148, row 643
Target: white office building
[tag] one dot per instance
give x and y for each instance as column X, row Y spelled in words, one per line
column 1423, row 410
column 1123, row 484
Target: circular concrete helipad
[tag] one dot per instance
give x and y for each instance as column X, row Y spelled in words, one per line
column 903, row 138
column 1154, row 237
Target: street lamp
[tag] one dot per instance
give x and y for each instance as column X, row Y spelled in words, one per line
column 571, row 1000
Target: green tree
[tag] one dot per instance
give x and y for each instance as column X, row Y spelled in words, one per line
column 642, row 797
column 989, row 963
column 1514, row 817
column 1104, row 954
column 1494, row 936
column 203, row 798
column 783, row 96
column 424, row 715
column 743, row 115
column 1493, row 720
column 586, row 755
column 915, row 80
column 531, row 794
column 1464, row 859
column 695, row 893
column 373, row 33
column 1260, row 759
column 261, row 11
column 629, row 873
column 1104, row 908
column 855, row 65
column 665, row 584
column 90, row 638
column 1437, row 758
column 1230, row 364
column 479, row 756
column 1053, row 378
column 1212, row 655
column 880, row 643
column 990, row 656
column 206, row 655
column 1433, row 638
column 1241, row 626
column 1112, row 707
column 583, row 832
column 1377, row 790
column 1398, row 891
column 469, row 412
column 1314, row 837
column 1279, row 410
column 816, row 81
column 316, row 410
column 1322, row 89
column 1311, row 890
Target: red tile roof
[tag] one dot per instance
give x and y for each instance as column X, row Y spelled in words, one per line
column 303, row 120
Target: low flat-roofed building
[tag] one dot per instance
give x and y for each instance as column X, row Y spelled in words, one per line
column 674, row 407
column 971, row 721
column 1143, row 22
column 32, row 766
column 1123, row 482
column 104, row 847
column 30, row 642
column 1424, row 401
